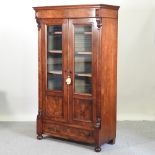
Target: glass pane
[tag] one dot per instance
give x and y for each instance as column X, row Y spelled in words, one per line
column 82, row 84
column 54, row 82
column 54, row 57
column 54, row 37
column 83, row 59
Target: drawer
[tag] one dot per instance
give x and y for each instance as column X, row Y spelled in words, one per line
column 87, row 136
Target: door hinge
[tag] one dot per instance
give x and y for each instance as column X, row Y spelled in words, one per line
column 98, row 122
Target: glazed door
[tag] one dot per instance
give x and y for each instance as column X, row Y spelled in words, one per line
column 82, row 60
column 54, row 48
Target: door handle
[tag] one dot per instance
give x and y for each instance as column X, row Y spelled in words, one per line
column 68, row 80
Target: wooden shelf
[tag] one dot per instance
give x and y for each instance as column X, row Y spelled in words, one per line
column 55, row 51
column 55, row 72
column 83, row 62
column 86, row 33
column 85, row 53
column 57, row 32
column 84, row 74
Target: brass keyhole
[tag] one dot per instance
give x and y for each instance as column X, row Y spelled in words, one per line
column 68, row 80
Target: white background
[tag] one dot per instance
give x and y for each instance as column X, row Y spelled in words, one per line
column 18, row 58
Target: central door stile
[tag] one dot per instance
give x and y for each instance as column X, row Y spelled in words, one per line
column 67, row 69
column 70, row 70
column 65, row 44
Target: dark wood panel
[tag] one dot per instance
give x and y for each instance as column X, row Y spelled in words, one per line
column 74, row 13
column 77, row 13
column 54, row 107
column 82, row 110
column 62, row 131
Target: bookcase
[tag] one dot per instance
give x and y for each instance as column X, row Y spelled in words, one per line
column 77, row 55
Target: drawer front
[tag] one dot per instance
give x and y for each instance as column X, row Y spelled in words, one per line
column 87, row 136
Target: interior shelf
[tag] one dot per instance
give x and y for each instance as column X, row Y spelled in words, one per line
column 55, row 51
column 55, row 72
column 86, row 53
column 84, row 74
column 57, row 32
column 86, row 33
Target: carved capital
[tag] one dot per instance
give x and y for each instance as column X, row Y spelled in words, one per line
column 38, row 23
column 99, row 22
column 38, row 20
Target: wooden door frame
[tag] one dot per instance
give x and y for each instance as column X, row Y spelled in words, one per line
column 84, row 21
column 46, row 92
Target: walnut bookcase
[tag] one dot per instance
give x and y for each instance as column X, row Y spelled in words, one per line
column 77, row 47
